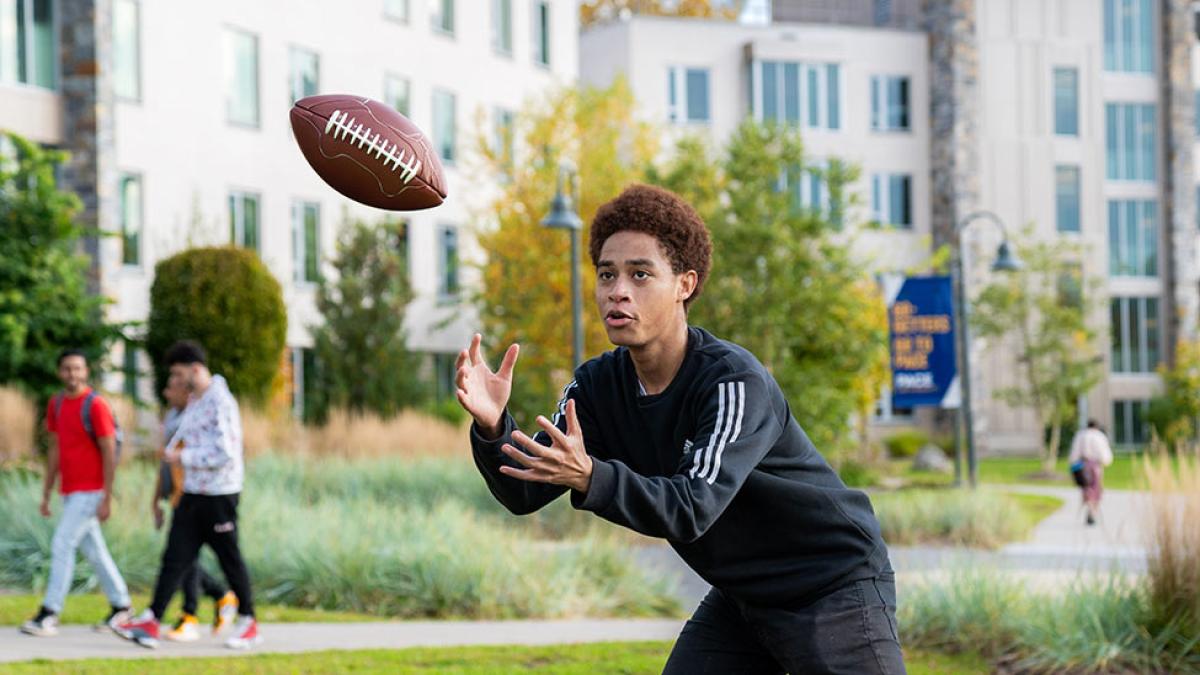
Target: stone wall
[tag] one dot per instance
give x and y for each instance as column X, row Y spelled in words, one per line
column 1178, row 189
column 85, row 44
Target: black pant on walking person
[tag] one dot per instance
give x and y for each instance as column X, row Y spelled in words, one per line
column 198, row 520
column 196, row 581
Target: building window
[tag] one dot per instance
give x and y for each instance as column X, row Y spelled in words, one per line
column 809, row 191
column 687, row 95
column 398, row 239
column 1066, row 197
column 1135, row 334
column 1132, row 238
column 396, row 93
column 541, row 32
column 798, row 93
column 1129, row 423
column 891, row 199
column 1196, row 109
column 441, row 14
column 129, row 369
column 445, row 128
column 304, row 384
column 396, row 10
column 241, row 77
column 127, row 69
column 130, row 205
column 1069, row 286
column 1066, row 101
column 447, row 263
column 305, row 77
column 306, row 240
column 502, row 35
column 1129, row 36
column 1130, row 133
column 28, row 48
column 244, row 220
column 503, row 141
column 889, row 103
column 444, row 374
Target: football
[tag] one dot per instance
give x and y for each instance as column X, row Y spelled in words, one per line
column 369, row 152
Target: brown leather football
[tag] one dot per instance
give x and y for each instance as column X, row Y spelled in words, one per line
column 369, row 152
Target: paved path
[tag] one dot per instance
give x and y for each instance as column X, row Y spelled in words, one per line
column 77, row 642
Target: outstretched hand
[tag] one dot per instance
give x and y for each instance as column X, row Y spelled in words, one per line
column 481, row 392
column 564, row 462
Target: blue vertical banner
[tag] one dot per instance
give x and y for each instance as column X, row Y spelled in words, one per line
column 921, row 319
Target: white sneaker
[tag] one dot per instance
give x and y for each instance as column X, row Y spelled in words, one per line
column 44, row 624
column 245, row 634
column 115, row 618
column 187, row 630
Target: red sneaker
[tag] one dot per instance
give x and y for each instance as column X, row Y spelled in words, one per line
column 245, row 634
column 142, row 630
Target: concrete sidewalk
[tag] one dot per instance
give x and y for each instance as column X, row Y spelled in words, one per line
column 80, row 642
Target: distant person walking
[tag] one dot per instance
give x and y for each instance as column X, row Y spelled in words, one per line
column 83, row 453
column 1091, row 452
column 170, row 489
column 208, row 445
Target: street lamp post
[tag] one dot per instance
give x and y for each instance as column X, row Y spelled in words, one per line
column 563, row 216
column 1006, row 261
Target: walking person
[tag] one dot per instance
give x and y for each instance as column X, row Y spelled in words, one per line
column 82, row 458
column 681, row 435
column 208, row 445
column 195, row 580
column 1090, row 453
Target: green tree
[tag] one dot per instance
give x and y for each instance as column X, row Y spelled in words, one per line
column 1042, row 311
column 784, row 282
column 525, row 293
column 226, row 299
column 1175, row 414
column 45, row 305
column 362, row 359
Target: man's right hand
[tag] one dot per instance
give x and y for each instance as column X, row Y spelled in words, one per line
column 158, row 515
column 481, row 392
column 45, row 508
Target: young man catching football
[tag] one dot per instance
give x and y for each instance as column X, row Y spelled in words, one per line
column 681, row 435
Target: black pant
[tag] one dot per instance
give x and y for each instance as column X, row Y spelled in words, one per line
column 195, row 581
column 851, row 630
column 203, row 519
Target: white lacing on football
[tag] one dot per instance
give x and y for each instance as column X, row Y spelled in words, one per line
column 342, row 126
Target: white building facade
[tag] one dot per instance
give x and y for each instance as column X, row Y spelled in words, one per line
column 1057, row 120
column 194, row 145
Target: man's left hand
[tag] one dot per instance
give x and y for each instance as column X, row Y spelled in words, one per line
column 564, row 462
column 104, row 509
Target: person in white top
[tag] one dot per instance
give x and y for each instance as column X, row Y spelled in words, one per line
column 1091, row 447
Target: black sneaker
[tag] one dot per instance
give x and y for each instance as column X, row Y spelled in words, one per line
column 1091, row 520
column 118, row 615
column 45, row 624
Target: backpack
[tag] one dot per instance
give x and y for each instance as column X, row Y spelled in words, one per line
column 85, row 412
column 1083, row 478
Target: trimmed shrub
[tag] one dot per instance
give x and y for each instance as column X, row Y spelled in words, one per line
column 906, row 443
column 226, row 299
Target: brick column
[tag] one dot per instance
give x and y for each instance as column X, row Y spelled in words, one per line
column 1179, row 186
column 85, row 43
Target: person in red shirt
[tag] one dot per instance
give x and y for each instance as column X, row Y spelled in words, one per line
column 83, row 462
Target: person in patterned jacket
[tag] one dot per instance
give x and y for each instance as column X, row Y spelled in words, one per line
column 208, row 444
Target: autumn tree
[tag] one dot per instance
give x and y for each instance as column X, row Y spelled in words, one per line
column 1043, row 310
column 525, row 284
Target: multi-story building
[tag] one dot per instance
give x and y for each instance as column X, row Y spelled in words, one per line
column 1073, row 116
column 176, row 115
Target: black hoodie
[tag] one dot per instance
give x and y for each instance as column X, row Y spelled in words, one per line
column 717, row 466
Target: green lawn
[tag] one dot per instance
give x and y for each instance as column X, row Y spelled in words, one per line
column 611, row 657
column 1124, row 474
column 16, row 608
